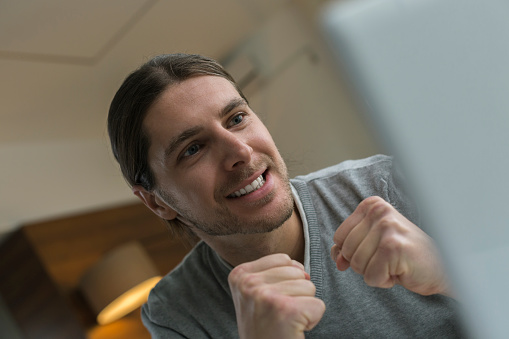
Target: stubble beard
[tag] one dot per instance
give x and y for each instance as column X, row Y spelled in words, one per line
column 226, row 223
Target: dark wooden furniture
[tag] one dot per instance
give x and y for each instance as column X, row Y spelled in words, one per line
column 41, row 265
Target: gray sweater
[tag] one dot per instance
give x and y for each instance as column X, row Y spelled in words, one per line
column 194, row 300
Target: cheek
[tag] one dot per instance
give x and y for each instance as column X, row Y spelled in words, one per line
column 197, row 186
column 262, row 139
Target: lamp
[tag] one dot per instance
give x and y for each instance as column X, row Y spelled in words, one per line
column 119, row 283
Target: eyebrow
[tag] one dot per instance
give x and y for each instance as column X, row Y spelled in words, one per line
column 179, row 139
column 234, row 103
column 190, row 132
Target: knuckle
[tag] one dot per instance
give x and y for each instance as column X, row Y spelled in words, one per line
column 236, row 274
column 282, row 257
column 369, row 202
column 392, row 245
column 378, row 209
column 244, row 280
column 264, row 295
column 370, row 280
column 233, row 277
column 252, row 287
column 249, row 282
column 357, row 266
column 387, row 224
column 373, row 199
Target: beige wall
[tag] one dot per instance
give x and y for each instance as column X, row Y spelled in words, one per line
column 301, row 98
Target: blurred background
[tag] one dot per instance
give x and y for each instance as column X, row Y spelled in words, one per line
column 62, row 197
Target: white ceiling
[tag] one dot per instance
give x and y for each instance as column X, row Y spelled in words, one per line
column 72, row 31
column 62, row 60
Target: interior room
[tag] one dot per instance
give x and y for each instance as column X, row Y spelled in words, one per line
column 63, row 202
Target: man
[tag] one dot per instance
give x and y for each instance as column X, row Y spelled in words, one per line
column 333, row 253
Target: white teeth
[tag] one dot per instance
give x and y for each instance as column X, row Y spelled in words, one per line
column 256, row 184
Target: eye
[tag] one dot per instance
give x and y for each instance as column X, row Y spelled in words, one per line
column 192, row 150
column 237, row 119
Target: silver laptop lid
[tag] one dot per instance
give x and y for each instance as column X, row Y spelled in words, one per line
column 433, row 76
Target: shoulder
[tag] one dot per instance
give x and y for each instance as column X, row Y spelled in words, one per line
column 165, row 299
column 338, row 189
column 360, row 178
column 184, row 299
column 352, row 181
column 195, row 271
column 175, row 283
column 376, row 164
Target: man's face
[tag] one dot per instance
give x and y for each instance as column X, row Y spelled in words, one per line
column 207, row 146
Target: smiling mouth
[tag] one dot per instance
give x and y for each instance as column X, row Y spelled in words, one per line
column 255, row 185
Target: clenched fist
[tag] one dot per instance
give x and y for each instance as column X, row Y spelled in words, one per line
column 379, row 243
column 274, row 298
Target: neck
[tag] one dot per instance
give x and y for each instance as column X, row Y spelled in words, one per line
column 239, row 248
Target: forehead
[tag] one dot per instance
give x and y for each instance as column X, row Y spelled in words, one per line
column 197, row 93
column 182, row 103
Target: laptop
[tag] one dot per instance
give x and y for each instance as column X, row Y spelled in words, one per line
column 432, row 77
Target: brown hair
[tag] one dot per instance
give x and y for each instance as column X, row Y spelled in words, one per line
column 129, row 141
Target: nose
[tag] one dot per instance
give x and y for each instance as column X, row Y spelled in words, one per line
column 236, row 153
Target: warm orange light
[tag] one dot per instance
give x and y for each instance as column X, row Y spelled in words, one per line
column 127, row 302
column 120, row 282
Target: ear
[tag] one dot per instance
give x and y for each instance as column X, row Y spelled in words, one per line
column 155, row 203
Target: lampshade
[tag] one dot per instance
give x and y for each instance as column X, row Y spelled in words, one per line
column 119, row 283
